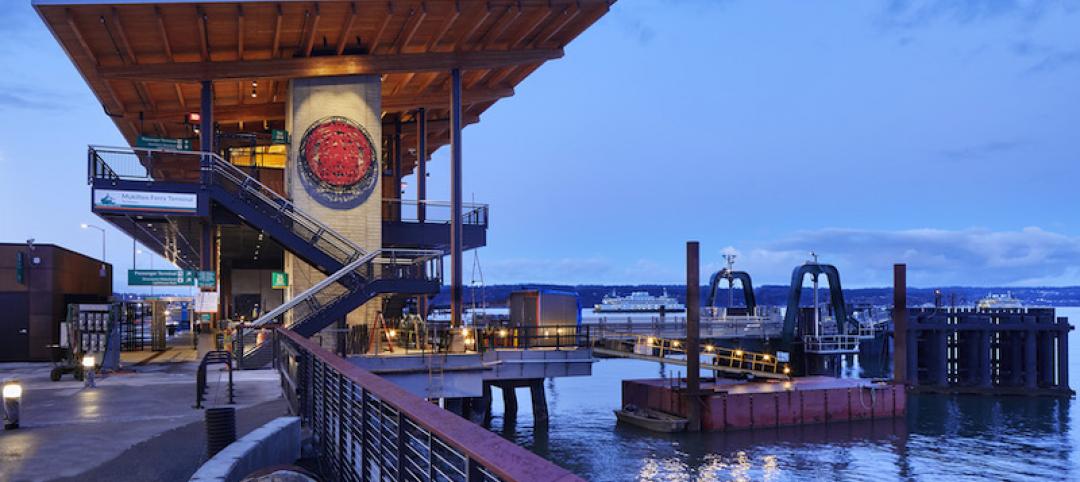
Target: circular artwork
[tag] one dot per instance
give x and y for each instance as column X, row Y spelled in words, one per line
column 338, row 164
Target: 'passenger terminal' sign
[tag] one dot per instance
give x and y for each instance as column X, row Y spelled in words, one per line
column 163, row 143
column 170, row 277
column 168, row 202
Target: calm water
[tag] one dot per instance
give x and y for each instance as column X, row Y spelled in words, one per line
column 942, row 438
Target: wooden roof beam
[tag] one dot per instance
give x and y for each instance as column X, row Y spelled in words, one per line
column 276, row 43
column 539, row 19
column 239, row 32
column 464, row 40
column 309, row 41
column 328, row 66
column 408, row 30
column 569, row 13
column 445, row 27
column 343, row 38
column 382, row 27
column 276, row 110
column 204, row 41
column 509, row 16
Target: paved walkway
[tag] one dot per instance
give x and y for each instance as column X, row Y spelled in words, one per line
column 71, row 431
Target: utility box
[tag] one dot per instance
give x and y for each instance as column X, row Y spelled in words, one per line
column 545, row 317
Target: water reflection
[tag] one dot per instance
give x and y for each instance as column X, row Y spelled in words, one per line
column 942, row 438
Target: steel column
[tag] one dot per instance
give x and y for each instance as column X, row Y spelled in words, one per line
column 206, row 127
column 693, row 334
column 421, row 164
column 455, row 198
column 900, row 321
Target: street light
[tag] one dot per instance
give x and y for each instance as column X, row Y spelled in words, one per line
column 88, row 363
column 91, row 226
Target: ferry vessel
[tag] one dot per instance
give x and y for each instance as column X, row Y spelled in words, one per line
column 992, row 301
column 638, row 302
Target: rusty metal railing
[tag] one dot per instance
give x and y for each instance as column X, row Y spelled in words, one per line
column 367, row 428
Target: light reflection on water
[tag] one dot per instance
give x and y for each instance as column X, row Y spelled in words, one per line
column 942, row 438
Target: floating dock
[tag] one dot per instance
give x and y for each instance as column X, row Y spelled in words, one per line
column 737, row 405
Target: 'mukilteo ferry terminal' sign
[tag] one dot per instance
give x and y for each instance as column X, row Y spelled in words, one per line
column 338, row 165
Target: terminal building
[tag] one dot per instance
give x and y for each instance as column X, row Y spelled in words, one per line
column 273, row 137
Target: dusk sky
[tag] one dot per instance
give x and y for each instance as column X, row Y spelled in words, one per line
column 941, row 134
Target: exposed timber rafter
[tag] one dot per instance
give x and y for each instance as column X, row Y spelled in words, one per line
column 276, row 110
column 328, row 66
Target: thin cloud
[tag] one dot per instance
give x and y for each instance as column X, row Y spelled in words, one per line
column 913, row 14
column 976, row 257
column 983, row 150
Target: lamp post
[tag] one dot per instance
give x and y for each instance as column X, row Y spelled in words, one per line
column 91, row 226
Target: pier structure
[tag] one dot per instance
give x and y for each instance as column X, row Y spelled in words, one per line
column 986, row 351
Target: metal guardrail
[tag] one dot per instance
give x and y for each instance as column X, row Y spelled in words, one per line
column 730, row 327
column 831, row 344
column 389, row 263
column 716, row 357
column 364, row 427
column 163, row 165
column 435, row 212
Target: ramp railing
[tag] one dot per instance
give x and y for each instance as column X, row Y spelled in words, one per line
column 365, row 427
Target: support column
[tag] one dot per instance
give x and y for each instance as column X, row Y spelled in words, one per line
column 510, row 405
column 395, row 209
column 693, row 334
column 421, row 164
column 900, row 322
column 986, row 368
column 485, row 403
column 206, row 127
column 539, row 401
column 1063, row 359
column 455, row 200
column 1030, row 361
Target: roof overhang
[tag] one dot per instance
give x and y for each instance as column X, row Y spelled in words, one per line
column 144, row 60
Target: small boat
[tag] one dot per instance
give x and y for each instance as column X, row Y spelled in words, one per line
column 651, row 419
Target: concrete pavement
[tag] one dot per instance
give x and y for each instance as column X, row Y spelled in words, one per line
column 70, row 431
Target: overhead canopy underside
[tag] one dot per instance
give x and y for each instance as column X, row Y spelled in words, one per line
column 144, row 60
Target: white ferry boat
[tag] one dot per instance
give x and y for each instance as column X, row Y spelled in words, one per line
column 638, row 302
column 993, row 301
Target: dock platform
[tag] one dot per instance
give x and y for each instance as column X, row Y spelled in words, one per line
column 737, row 405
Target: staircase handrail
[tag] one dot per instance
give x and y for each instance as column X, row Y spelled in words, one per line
column 219, row 164
column 373, row 256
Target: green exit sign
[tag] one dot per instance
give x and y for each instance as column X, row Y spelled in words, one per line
column 279, row 280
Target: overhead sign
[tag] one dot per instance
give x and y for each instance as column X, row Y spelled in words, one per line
column 163, row 143
column 279, row 280
column 20, row 267
column 171, row 277
column 169, row 202
column 279, row 136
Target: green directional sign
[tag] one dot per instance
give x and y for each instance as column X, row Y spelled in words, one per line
column 279, row 280
column 170, row 277
column 279, row 136
column 163, row 143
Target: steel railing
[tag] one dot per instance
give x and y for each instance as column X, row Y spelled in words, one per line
column 162, row 165
column 434, row 212
column 826, row 344
column 366, row 428
column 384, row 264
column 715, row 357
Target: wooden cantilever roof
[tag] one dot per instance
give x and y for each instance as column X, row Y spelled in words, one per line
column 144, row 60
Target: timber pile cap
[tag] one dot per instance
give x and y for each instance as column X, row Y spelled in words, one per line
column 144, row 60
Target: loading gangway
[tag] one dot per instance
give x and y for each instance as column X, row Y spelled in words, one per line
column 729, row 361
column 354, row 276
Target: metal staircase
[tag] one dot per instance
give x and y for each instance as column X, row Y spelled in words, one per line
column 353, row 275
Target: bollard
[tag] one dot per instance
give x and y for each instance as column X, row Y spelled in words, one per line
column 220, row 429
column 12, row 394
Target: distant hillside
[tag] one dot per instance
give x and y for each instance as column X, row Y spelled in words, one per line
column 496, row 295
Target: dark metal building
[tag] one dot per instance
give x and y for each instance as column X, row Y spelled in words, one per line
column 36, row 284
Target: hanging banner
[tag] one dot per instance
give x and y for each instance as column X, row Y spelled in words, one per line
column 143, row 201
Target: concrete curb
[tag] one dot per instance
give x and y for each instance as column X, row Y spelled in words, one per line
column 276, row 443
